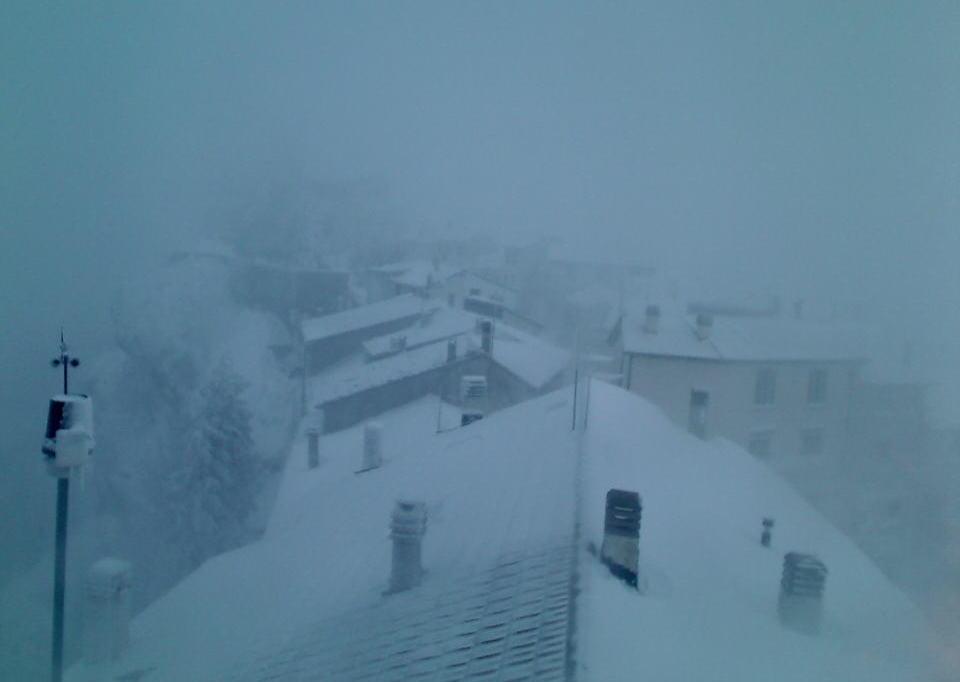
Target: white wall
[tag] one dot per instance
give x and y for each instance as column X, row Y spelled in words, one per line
column 667, row 382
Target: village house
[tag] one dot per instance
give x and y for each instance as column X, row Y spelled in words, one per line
column 778, row 387
column 577, row 536
column 432, row 357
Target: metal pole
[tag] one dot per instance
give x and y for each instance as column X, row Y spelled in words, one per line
column 576, row 381
column 60, row 548
column 59, row 577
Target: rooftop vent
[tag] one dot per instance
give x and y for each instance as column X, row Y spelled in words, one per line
column 372, row 446
column 398, row 342
column 621, row 534
column 704, row 326
column 107, row 610
column 651, row 319
column 407, row 527
column 473, row 398
column 801, row 592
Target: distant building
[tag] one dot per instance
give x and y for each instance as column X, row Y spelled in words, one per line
column 330, row 338
column 775, row 386
column 431, row 358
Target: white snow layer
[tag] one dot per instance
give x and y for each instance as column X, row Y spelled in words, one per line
column 512, row 481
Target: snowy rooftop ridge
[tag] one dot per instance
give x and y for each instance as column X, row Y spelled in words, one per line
column 443, row 324
column 351, row 378
column 508, row 486
column 743, row 339
column 362, row 317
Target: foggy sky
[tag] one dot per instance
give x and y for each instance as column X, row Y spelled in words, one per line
column 810, row 148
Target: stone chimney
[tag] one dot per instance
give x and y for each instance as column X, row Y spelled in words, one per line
column 407, row 527
column 372, row 446
column 451, row 350
column 486, row 336
column 651, row 319
column 621, row 534
column 704, row 326
column 801, row 592
column 107, row 611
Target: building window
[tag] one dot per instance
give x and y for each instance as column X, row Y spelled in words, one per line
column 817, row 387
column 765, row 390
column 760, row 443
column 811, row 441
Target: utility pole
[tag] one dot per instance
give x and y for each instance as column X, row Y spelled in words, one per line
column 60, row 557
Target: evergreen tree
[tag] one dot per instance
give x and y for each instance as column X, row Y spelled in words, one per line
column 221, row 475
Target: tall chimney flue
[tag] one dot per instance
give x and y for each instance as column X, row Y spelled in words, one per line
column 486, row 336
column 372, row 446
column 314, row 431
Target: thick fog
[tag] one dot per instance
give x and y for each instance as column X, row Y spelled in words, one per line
column 745, row 150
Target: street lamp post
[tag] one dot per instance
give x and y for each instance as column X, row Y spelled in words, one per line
column 60, row 558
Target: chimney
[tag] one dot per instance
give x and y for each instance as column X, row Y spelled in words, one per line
column 621, row 534
column 767, row 535
column 651, row 319
column 372, row 439
column 486, row 336
column 704, row 326
column 473, row 398
column 315, row 428
column 801, row 592
column 451, row 350
column 107, row 611
column 407, row 526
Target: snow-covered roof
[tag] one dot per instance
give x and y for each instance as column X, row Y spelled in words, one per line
column 416, row 273
column 362, row 317
column 355, row 375
column 513, row 502
column 443, row 324
column 738, row 338
column 530, row 358
column 424, row 274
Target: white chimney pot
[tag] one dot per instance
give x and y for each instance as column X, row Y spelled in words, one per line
column 372, row 446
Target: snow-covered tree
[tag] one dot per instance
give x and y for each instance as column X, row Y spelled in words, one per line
column 219, row 479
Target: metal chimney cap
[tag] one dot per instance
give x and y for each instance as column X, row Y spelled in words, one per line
column 409, row 519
